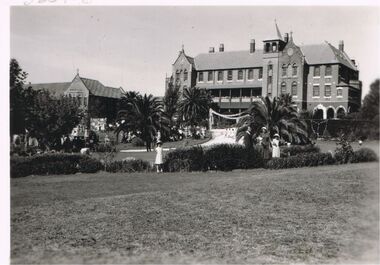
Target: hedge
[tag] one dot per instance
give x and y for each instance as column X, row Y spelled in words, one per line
column 59, row 163
column 184, row 159
column 298, row 149
column 128, row 166
column 301, row 160
column 217, row 157
column 364, row 155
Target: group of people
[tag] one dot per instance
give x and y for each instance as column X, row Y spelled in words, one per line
column 262, row 140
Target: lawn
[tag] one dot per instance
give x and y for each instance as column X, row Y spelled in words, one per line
column 327, row 214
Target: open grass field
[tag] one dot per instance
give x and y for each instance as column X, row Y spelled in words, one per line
column 327, row 214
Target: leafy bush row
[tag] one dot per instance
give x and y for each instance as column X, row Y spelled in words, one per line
column 319, row 159
column 223, row 157
column 45, row 164
column 299, row 149
column 104, row 147
column 128, row 166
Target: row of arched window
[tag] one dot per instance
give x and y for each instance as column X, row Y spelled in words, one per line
column 178, row 75
column 293, row 90
column 287, row 68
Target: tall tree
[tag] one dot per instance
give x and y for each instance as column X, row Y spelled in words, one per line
column 370, row 107
column 16, row 85
column 171, row 101
column 48, row 118
column 278, row 116
column 194, row 106
column 144, row 116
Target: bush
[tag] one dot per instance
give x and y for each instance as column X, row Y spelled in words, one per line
column 344, row 151
column 137, row 141
column 301, row 160
column 364, row 155
column 184, row 159
column 128, row 166
column 299, row 149
column 103, row 147
column 227, row 157
column 51, row 163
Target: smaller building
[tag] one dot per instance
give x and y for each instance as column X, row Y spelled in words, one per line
column 97, row 100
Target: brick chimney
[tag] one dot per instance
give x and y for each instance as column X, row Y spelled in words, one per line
column 221, row 47
column 341, row 46
column 252, row 46
column 211, row 50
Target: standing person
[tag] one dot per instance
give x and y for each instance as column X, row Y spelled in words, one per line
column 247, row 139
column 159, row 161
column 265, row 143
column 276, row 146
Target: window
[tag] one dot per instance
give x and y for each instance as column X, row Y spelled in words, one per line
column 240, row 75
column 85, row 101
column 294, row 70
column 269, row 85
column 274, row 47
column 283, row 88
column 317, row 71
column 200, row 77
column 269, row 80
column 270, row 69
column 294, row 88
column 284, row 70
column 185, row 75
column 339, row 92
column 327, row 91
column 210, row 76
column 315, row 91
column 229, row 75
column 250, row 74
column 328, row 70
column 220, row 75
column 260, row 73
column 267, row 47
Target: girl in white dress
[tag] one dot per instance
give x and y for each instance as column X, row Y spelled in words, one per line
column 276, row 146
column 159, row 160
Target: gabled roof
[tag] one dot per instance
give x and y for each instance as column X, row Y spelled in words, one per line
column 55, row 89
column 325, row 54
column 229, row 60
column 98, row 89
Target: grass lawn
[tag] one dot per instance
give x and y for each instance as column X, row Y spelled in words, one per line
column 327, row 214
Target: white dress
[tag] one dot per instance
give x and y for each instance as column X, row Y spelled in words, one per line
column 275, row 148
column 159, row 155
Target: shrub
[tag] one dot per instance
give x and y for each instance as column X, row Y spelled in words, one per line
column 103, row 147
column 344, row 152
column 364, row 155
column 301, row 160
column 184, row 159
column 51, row 163
column 227, row 157
column 128, row 166
column 299, row 149
column 89, row 165
column 137, row 141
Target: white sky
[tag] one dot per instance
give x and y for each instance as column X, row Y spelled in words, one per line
column 134, row 47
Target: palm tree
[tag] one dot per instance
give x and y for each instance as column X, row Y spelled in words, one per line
column 194, row 106
column 278, row 116
column 144, row 116
column 171, row 101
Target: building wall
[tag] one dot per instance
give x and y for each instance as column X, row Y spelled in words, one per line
column 179, row 67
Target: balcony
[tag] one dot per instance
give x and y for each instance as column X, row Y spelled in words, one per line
column 355, row 83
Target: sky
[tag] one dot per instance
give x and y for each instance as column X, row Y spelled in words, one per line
column 135, row 47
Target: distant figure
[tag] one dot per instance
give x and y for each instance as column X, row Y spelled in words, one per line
column 106, row 139
column 276, row 146
column 247, row 139
column 360, row 142
column 159, row 155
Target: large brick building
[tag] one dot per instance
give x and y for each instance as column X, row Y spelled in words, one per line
column 321, row 77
